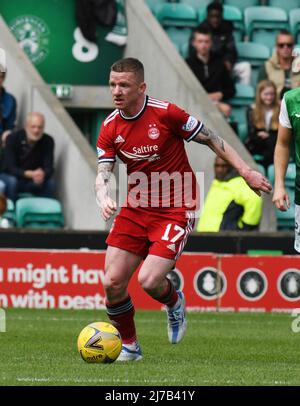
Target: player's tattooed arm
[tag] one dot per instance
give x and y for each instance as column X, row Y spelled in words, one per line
column 107, row 205
column 209, row 138
column 254, row 179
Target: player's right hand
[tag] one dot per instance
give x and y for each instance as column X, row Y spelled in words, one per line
column 108, row 208
column 281, row 199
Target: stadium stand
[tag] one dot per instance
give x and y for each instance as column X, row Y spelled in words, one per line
column 285, row 5
column 230, row 13
column 176, row 15
column 242, row 4
column 10, row 214
column 285, row 219
column 262, row 24
column 243, row 97
column 152, row 3
column 39, row 212
column 294, row 17
column 254, row 53
column 196, row 3
column 179, row 36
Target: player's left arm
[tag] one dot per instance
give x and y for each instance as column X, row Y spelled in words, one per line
column 254, row 179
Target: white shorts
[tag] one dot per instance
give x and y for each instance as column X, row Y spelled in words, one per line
column 297, row 228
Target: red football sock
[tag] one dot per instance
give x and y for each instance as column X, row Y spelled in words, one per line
column 121, row 315
column 169, row 296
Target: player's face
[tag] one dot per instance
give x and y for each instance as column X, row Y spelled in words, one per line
column 202, row 43
column 268, row 96
column 126, row 89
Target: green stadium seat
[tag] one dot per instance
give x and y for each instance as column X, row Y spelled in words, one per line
column 230, row 13
column 179, row 36
column 243, row 97
column 196, row 4
column 258, row 158
column 241, row 4
column 243, row 132
column 254, row 53
column 261, row 168
column 294, row 17
column 286, row 5
column 10, row 213
column 39, row 212
column 176, row 15
column 184, row 50
column 289, row 177
column 263, row 23
column 152, row 3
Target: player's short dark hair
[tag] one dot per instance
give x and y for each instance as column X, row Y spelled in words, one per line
column 215, row 5
column 129, row 65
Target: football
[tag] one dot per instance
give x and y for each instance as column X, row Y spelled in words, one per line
column 99, row 342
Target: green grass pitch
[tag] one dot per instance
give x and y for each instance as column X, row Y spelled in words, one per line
column 39, row 348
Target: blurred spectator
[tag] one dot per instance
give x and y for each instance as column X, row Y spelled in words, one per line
column 230, row 204
column 28, row 160
column 210, row 71
column 262, row 120
column 4, row 223
column 8, row 107
column 223, row 45
column 279, row 68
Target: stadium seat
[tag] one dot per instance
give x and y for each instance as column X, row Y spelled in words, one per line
column 289, row 177
column 294, row 16
column 179, row 36
column 241, row 4
column 39, row 212
column 261, row 169
column 263, row 23
column 196, row 4
column 176, row 15
column 254, row 53
column 10, row 213
column 242, row 130
column 243, row 97
column 286, row 5
column 152, row 3
column 184, row 50
column 230, row 13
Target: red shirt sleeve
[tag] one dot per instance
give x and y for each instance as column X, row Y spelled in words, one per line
column 182, row 123
column 105, row 147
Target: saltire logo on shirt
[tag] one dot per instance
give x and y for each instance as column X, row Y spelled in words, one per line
column 138, row 157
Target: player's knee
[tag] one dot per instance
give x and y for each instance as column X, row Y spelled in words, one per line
column 113, row 286
column 147, row 282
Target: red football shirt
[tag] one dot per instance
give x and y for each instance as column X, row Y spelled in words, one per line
column 151, row 145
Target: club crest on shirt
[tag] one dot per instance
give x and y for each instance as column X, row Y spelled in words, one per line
column 190, row 124
column 153, row 132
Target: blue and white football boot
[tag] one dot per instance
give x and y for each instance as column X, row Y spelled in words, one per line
column 177, row 321
column 130, row 352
